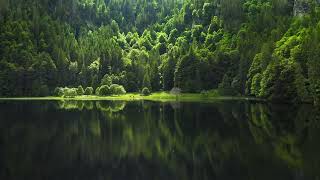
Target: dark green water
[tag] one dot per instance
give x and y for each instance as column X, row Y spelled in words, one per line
column 149, row 140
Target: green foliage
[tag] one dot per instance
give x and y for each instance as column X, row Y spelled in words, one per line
column 116, row 89
column 80, row 91
column 104, row 90
column 58, row 91
column 69, row 92
column 145, row 92
column 66, row 92
column 225, row 87
column 88, row 91
column 106, row 80
column 186, row 75
column 247, row 47
column 168, row 68
column 256, row 85
column 232, row 13
column 146, row 79
column 97, row 91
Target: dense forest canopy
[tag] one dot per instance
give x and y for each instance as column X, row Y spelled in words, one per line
column 261, row 48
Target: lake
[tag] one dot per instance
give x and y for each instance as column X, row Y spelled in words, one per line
column 151, row 140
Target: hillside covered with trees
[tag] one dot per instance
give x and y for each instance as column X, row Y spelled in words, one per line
column 262, row 48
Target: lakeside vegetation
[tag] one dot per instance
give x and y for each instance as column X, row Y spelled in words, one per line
column 157, row 96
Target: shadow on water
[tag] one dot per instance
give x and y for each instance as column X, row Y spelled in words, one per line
column 151, row 140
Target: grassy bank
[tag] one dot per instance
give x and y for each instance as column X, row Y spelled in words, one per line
column 158, row 96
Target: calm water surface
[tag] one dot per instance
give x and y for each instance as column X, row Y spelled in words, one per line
column 150, row 140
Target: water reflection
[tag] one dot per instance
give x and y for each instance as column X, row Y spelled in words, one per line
column 109, row 106
column 149, row 140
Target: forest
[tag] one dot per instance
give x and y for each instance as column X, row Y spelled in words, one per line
column 267, row 49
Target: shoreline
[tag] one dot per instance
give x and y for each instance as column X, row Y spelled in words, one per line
column 158, row 97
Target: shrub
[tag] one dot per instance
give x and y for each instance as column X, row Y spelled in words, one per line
column 145, row 92
column 117, row 89
column 70, row 92
column 58, row 91
column 114, row 89
column 104, row 90
column 80, row 91
column 88, row 91
column 97, row 92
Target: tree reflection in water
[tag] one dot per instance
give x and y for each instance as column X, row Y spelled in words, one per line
column 150, row 140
